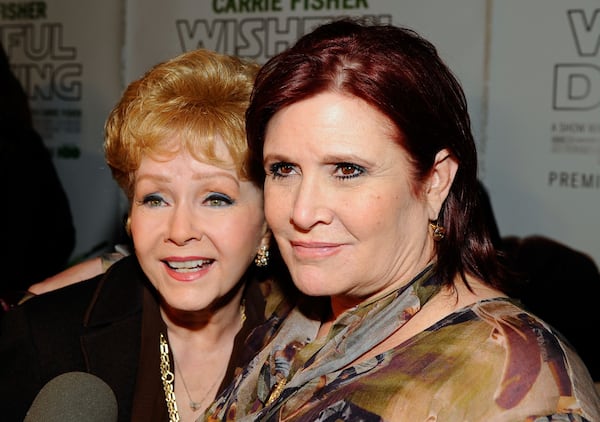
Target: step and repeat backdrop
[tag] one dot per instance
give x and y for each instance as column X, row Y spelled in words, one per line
column 530, row 69
column 541, row 159
column 67, row 56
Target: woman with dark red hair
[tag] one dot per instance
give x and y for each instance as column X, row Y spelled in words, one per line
column 362, row 135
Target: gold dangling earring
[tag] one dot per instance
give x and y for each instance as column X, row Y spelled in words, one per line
column 439, row 232
column 262, row 256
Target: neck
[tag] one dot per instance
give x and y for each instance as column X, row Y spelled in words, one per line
column 201, row 343
column 344, row 302
column 213, row 319
column 185, row 403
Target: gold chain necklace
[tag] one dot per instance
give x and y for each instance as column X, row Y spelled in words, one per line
column 168, row 378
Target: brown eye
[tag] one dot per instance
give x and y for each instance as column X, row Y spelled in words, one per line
column 285, row 169
column 348, row 170
column 282, row 170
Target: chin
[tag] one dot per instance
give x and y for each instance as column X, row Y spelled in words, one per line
column 314, row 281
column 314, row 289
column 185, row 302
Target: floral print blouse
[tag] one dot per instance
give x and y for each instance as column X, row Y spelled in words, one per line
column 490, row 361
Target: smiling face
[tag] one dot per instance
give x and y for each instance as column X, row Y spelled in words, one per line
column 340, row 200
column 196, row 227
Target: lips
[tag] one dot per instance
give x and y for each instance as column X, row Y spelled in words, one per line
column 189, row 266
column 315, row 250
column 314, row 245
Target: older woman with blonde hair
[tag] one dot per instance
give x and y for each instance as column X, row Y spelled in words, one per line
column 164, row 327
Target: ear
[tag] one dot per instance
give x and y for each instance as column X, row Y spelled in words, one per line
column 440, row 181
column 266, row 238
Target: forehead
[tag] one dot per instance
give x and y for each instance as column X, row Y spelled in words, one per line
column 332, row 120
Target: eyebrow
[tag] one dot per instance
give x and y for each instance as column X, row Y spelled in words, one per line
column 195, row 176
column 336, row 157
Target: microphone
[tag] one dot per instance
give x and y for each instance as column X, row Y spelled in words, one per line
column 74, row 396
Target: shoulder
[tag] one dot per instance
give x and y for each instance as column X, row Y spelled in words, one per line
column 70, row 303
column 503, row 331
column 273, row 296
column 505, row 349
column 538, row 355
column 57, row 303
column 517, row 326
column 268, row 302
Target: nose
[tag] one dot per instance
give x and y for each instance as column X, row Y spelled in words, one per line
column 183, row 226
column 310, row 204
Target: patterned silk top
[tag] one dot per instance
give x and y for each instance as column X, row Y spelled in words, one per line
column 490, row 361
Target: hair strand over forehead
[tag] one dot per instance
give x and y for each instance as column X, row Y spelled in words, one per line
column 186, row 102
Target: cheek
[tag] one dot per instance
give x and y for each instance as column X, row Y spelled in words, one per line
column 364, row 207
column 269, row 215
column 242, row 237
column 141, row 233
column 242, row 234
column 275, row 205
column 374, row 214
column 274, row 215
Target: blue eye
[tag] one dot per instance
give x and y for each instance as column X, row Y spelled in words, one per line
column 216, row 199
column 348, row 170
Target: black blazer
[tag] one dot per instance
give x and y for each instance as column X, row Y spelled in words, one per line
column 108, row 326
column 92, row 326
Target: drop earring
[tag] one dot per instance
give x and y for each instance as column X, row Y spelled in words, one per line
column 262, row 256
column 439, row 232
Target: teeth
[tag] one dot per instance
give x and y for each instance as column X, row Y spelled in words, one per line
column 189, row 266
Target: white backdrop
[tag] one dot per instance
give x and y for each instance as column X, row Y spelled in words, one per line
column 541, row 162
column 155, row 32
column 530, row 69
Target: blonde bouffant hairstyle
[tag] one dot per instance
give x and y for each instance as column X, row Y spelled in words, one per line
column 182, row 103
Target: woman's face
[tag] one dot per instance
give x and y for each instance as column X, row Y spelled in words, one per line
column 339, row 202
column 195, row 227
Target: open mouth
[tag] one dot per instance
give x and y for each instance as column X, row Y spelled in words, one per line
column 189, row 266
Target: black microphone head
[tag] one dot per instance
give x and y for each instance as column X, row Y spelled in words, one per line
column 74, row 396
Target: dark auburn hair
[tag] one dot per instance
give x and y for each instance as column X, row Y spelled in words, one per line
column 400, row 74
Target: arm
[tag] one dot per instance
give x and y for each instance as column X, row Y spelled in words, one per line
column 78, row 272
